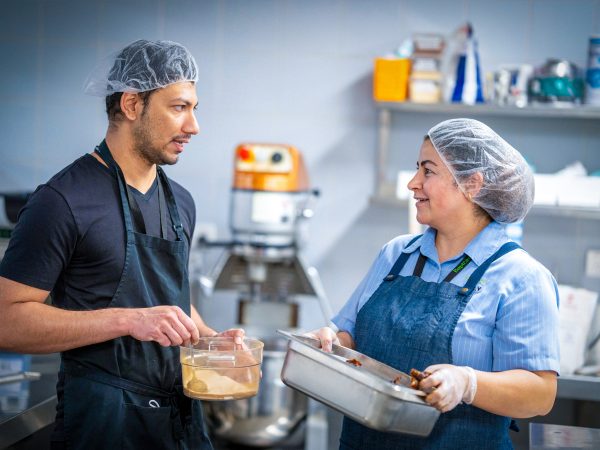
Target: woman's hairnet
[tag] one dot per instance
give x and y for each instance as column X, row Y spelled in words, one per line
column 142, row 66
column 467, row 147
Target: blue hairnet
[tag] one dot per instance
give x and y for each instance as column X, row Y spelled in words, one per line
column 467, row 147
column 142, row 66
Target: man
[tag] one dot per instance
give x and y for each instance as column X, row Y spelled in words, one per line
column 109, row 237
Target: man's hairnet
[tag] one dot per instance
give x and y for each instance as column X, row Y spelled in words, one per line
column 142, row 66
column 467, row 147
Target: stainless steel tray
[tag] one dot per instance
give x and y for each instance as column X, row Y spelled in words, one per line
column 366, row 394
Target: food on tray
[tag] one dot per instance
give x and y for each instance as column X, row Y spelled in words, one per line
column 354, row 362
column 416, row 377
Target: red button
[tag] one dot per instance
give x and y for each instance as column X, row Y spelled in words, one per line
column 245, row 154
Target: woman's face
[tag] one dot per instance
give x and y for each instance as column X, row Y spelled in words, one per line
column 440, row 203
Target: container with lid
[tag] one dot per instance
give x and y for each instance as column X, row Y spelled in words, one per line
column 218, row 369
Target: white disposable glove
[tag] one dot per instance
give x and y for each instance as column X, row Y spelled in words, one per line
column 326, row 335
column 452, row 384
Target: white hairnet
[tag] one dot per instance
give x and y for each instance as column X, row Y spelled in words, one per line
column 142, row 66
column 467, row 147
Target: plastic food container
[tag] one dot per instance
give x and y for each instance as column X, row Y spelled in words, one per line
column 218, row 369
column 359, row 387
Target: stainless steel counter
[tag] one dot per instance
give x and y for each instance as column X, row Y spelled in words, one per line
column 27, row 406
column 579, row 387
column 551, row 437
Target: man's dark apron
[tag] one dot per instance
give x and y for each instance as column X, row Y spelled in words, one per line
column 409, row 323
column 124, row 393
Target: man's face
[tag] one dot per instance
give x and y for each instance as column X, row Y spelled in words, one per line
column 166, row 124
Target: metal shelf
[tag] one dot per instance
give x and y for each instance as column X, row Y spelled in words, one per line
column 542, row 210
column 385, row 189
column 575, row 112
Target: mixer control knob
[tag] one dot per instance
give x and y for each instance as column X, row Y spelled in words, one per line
column 277, row 157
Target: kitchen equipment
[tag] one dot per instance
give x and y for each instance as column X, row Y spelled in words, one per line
column 274, row 414
column 218, row 369
column 558, row 82
column 509, row 85
column 18, row 377
column 271, row 202
column 10, row 205
column 359, row 387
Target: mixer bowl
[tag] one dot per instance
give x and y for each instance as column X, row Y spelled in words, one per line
column 267, row 419
column 217, row 369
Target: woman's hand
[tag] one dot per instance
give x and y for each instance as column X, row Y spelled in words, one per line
column 326, row 336
column 236, row 333
column 448, row 385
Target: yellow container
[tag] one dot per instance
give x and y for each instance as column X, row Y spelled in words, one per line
column 390, row 79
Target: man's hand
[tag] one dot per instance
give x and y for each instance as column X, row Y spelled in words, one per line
column 166, row 325
column 448, row 385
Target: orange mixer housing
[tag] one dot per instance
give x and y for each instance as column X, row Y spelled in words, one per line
column 269, row 167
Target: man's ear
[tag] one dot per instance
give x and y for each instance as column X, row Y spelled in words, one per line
column 473, row 185
column 131, row 105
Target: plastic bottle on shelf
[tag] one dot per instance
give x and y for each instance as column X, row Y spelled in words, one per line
column 467, row 86
column 592, row 79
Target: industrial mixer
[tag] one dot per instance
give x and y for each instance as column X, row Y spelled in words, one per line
column 263, row 265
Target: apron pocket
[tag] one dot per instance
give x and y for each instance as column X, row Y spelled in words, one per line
column 147, row 427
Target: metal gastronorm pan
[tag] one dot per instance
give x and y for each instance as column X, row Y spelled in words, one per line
column 366, row 394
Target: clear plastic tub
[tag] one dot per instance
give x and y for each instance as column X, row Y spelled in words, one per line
column 217, row 369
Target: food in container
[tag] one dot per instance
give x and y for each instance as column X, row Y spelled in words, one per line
column 368, row 391
column 218, row 369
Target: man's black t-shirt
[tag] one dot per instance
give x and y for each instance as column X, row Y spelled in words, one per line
column 70, row 236
column 70, row 239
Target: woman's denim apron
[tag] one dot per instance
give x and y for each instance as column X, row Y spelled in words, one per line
column 125, row 393
column 409, row 323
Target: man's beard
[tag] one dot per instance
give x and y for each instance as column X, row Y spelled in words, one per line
column 145, row 147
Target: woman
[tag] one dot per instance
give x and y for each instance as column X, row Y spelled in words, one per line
column 460, row 301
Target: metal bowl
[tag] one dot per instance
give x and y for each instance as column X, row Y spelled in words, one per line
column 269, row 418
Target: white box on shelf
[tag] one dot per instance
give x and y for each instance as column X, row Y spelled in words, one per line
column 575, row 318
column 402, row 191
column 579, row 191
column 546, row 189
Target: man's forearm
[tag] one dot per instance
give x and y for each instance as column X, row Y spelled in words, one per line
column 32, row 327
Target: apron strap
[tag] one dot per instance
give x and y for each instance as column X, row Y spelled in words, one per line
column 476, row 276
column 171, row 204
column 464, row 262
column 420, row 265
column 399, row 264
column 162, row 210
column 138, row 218
column 104, row 152
column 133, row 209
